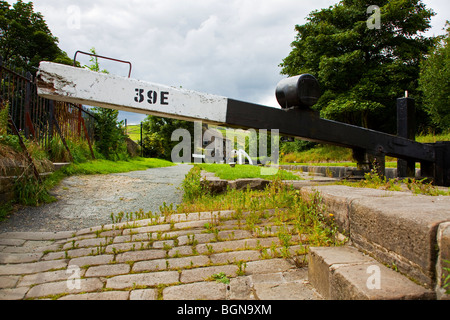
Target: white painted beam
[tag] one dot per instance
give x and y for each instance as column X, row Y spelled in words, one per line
column 83, row 86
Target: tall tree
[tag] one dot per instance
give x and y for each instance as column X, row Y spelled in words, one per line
column 362, row 70
column 25, row 38
column 157, row 133
column 434, row 82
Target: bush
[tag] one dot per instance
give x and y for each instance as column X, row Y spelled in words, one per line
column 30, row 192
column 157, row 132
column 109, row 135
column 296, row 146
column 320, row 153
column 433, row 82
column 192, row 185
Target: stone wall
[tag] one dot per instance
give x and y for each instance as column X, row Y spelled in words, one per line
column 10, row 170
column 6, row 189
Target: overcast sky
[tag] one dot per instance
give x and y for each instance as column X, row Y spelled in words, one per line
column 230, row 48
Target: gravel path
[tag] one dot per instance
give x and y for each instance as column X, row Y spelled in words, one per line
column 87, row 201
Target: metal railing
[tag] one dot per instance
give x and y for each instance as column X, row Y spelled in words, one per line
column 38, row 118
column 102, row 57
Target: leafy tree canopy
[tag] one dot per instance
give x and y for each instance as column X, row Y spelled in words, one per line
column 25, row 38
column 109, row 134
column 158, row 133
column 362, row 70
column 434, row 82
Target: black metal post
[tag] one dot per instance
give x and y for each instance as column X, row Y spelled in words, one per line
column 142, row 142
column 406, row 128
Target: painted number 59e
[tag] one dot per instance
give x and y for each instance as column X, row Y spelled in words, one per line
column 152, row 97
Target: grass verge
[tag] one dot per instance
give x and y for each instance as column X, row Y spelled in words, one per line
column 106, row 166
column 320, row 153
column 226, row 172
column 134, row 132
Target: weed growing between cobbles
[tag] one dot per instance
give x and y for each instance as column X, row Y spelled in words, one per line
column 278, row 211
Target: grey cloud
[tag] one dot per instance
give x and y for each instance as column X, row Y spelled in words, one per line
column 230, row 48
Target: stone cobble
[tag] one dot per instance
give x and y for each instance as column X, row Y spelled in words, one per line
column 205, row 255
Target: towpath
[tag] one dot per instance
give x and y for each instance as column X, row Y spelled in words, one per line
column 87, row 201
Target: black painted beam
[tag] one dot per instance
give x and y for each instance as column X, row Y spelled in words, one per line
column 308, row 125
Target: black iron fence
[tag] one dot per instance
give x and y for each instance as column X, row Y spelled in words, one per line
column 38, row 118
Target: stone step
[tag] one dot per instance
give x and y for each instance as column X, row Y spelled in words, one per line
column 397, row 228
column 60, row 165
column 344, row 273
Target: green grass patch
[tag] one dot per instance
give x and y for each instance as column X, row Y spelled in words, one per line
column 5, row 210
column 226, row 172
column 134, row 132
column 197, row 197
column 327, row 164
column 106, row 166
column 433, row 138
column 320, row 153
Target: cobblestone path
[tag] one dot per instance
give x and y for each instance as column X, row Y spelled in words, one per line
column 208, row 256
